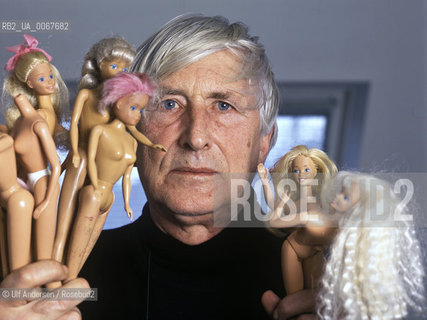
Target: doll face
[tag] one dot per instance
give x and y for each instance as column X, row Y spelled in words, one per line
column 109, row 68
column 41, row 79
column 303, row 169
column 129, row 108
column 347, row 198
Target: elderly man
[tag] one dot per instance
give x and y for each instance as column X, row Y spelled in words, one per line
column 216, row 114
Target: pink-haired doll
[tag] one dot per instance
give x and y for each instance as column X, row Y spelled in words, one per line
column 111, row 154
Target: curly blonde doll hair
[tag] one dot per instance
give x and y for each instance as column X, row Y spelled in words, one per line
column 374, row 269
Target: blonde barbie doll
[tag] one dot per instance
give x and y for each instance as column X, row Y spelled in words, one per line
column 374, row 268
column 105, row 59
column 302, row 251
column 32, row 75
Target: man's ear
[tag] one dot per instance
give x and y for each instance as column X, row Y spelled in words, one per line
column 265, row 145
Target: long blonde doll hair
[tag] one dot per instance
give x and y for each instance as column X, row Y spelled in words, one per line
column 282, row 169
column 374, row 268
column 15, row 84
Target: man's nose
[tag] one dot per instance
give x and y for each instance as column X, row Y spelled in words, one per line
column 197, row 135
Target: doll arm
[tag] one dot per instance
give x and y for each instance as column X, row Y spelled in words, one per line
column 268, row 194
column 126, row 185
column 143, row 139
column 91, row 155
column 3, row 129
column 42, row 131
column 74, row 130
column 312, row 218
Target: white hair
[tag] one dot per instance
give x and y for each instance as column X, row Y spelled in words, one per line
column 374, row 269
column 190, row 37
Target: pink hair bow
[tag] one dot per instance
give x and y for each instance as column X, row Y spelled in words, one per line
column 29, row 45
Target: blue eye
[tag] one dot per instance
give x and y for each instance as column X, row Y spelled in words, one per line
column 169, row 104
column 41, row 79
column 133, row 108
column 51, row 77
column 296, row 171
column 346, row 198
column 125, row 69
column 223, row 106
column 113, row 66
column 307, row 170
column 140, row 111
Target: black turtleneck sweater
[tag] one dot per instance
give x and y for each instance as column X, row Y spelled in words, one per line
column 143, row 273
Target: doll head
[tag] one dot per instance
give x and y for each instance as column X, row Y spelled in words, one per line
column 106, row 58
column 301, row 163
column 126, row 88
column 374, row 268
column 23, row 68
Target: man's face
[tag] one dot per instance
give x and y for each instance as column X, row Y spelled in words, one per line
column 209, row 123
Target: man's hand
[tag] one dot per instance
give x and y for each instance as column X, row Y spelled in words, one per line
column 299, row 305
column 32, row 276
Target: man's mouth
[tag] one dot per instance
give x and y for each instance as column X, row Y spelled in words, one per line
column 194, row 171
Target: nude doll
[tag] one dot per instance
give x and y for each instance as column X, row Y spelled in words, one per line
column 32, row 75
column 302, row 251
column 374, row 268
column 111, row 155
column 104, row 60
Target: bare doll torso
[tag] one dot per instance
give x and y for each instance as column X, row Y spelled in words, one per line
column 116, row 152
column 90, row 117
column 27, row 145
column 50, row 117
column 8, row 182
column 316, row 233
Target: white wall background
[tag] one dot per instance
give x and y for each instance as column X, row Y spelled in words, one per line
column 380, row 41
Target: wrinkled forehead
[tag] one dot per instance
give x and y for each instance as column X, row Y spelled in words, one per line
column 218, row 74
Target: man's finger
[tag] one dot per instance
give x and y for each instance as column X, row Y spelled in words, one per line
column 73, row 314
column 56, row 308
column 296, row 304
column 35, row 275
column 270, row 301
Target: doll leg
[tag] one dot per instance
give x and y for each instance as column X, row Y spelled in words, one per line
column 99, row 224
column 3, row 245
column 293, row 256
column 20, row 206
column 45, row 225
column 83, row 227
column 292, row 270
column 313, row 267
column 73, row 182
